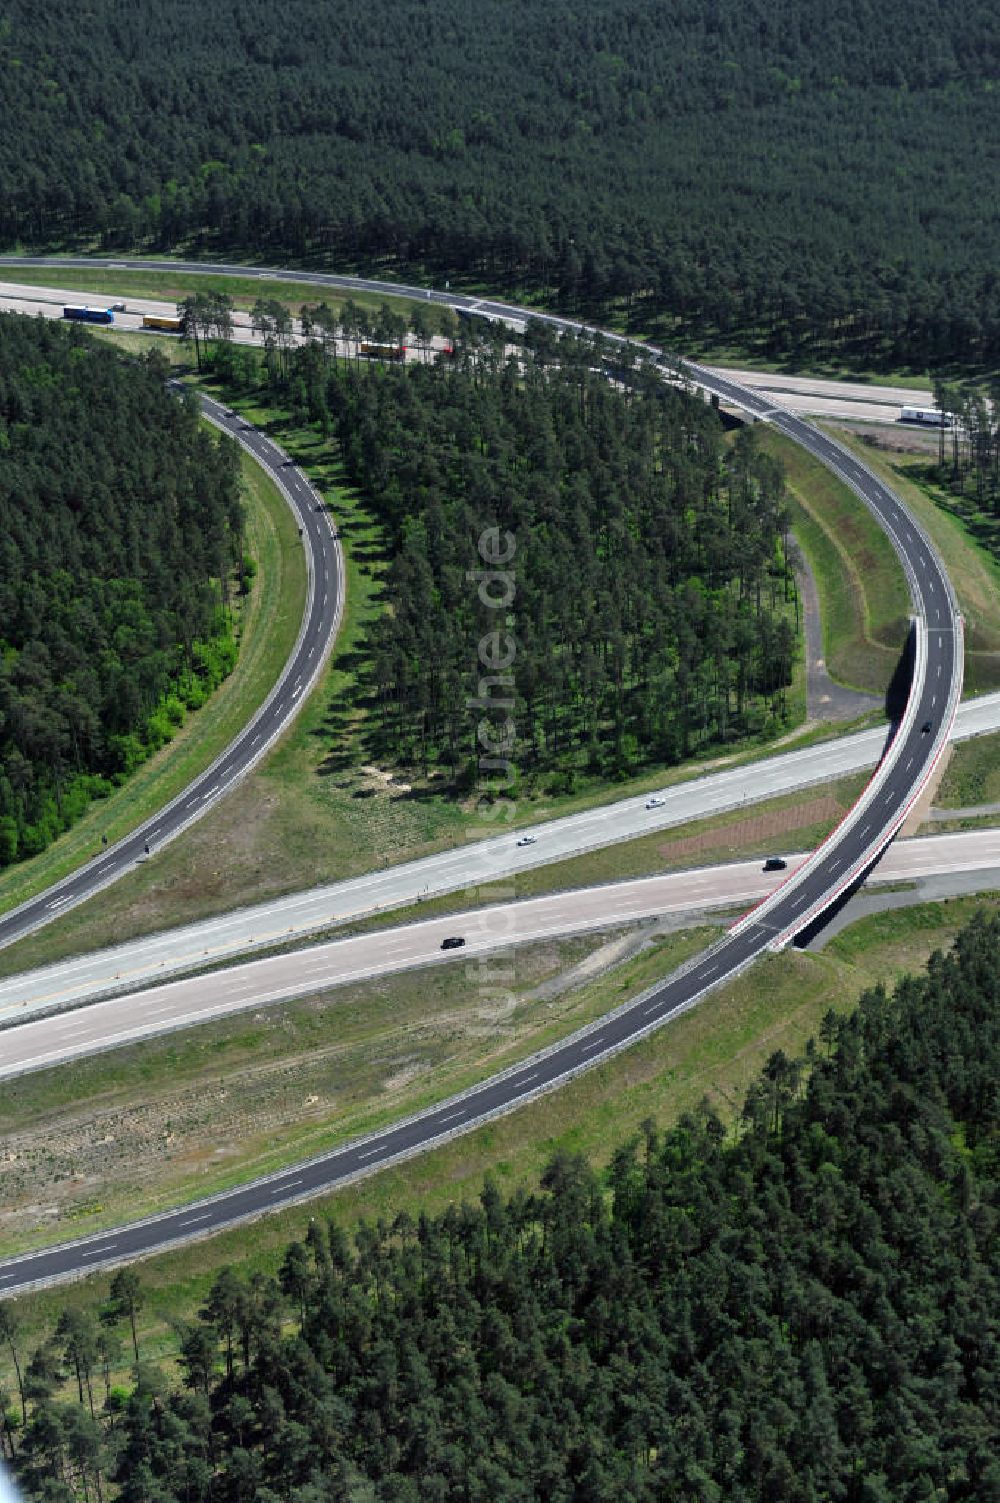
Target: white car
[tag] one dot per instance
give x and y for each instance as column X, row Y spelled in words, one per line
column 655, row 802
column 527, row 840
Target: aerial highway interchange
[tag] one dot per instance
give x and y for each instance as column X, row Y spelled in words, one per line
column 798, row 901
column 969, row 859
column 824, row 398
column 295, row 916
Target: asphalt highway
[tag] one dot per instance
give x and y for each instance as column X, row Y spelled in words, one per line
column 298, row 915
column 678, row 895
column 324, row 603
column 817, row 883
column 819, row 397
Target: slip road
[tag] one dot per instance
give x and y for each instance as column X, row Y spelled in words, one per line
column 324, row 600
column 858, row 841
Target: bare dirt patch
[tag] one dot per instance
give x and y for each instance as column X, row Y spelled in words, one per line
column 156, row 1124
column 895, row 441
column 757, row 829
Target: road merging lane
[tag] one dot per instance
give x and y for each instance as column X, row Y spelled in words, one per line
column 903, row 772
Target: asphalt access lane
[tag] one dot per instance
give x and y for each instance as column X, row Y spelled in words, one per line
column 499, row 1095
column 316, row 636
column 971, row 860
column 818, row 882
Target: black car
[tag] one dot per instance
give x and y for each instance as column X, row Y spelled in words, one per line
column 775, row 864
column 925, row 729
column 453, row 942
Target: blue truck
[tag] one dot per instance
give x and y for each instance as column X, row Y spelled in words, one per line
column 84, row 315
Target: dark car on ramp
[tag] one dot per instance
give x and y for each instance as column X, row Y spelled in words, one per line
column 453, row 942
column 775, row 864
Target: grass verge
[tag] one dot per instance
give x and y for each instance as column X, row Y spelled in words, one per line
column 972, row 775
column 864, row 600
column 136, row 1130
column 964, row 541
column 713, row 1052
column 268, row 629
column 171, row 285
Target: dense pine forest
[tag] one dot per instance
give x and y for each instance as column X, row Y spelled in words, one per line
column 120, row 525
column 807, row 1309
column 582, row 576
column 799, row 177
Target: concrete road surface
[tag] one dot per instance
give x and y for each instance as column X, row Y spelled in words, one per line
column 803, row 394
column 859, row 400
column 103, row 1025
column 300, row 914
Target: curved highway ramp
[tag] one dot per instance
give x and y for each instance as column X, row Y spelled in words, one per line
column 819, row 882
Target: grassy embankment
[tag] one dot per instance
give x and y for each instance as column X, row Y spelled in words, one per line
column 268, row 625
column 316, row 811
column 152, row 1125
column 421, row 1033
column 713, row 1052
column 968, row 542
column 864, row 602
column 973, row 775
column 971, row 778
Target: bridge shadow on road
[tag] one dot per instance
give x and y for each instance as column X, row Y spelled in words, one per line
column 896, row 696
